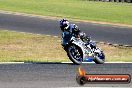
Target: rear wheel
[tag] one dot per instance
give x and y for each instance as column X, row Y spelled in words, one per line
column 75, row 54
column 99, row 58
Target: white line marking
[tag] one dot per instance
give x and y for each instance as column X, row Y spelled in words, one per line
column 94, row 87
column 11, row 62
column 60, row 62
column 93, row 62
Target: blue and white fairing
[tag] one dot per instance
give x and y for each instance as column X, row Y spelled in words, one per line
column 87, row 53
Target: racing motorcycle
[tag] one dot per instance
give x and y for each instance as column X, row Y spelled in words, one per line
column 79, row 51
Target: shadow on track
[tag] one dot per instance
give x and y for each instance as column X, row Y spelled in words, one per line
column 49, row 63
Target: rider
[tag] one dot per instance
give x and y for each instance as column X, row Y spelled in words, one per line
column 69, row 28
column 72, row 30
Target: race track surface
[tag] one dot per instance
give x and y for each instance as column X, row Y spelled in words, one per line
column 54, row 75
column 98, row 32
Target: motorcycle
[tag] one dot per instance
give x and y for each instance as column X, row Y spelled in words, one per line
column 78, row 51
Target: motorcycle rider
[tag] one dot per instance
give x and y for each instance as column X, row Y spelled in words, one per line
column 69, row 30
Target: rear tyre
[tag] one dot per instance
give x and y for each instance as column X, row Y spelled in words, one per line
column 99, row 59
column 75, row 54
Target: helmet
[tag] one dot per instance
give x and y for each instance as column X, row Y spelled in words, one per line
column 64, row 24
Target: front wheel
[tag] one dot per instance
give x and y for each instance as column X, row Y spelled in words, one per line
column 75, row 54
column 99, row 58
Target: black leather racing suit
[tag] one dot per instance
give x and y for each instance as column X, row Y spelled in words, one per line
column 73, row 30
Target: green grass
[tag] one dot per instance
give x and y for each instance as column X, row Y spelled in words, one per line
column 15, row 46
column 27, row 47
column 73, row 9
column 119, row 54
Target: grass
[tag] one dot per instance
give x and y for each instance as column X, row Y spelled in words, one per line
column 29, row 47
column 73, row 9
column 117, row 54
column 15, row 46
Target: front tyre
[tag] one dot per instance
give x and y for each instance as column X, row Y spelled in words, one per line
column 99, row 58
column 75, row 54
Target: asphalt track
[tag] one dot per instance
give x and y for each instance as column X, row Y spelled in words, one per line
column 54, row 75
column 98, row 32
